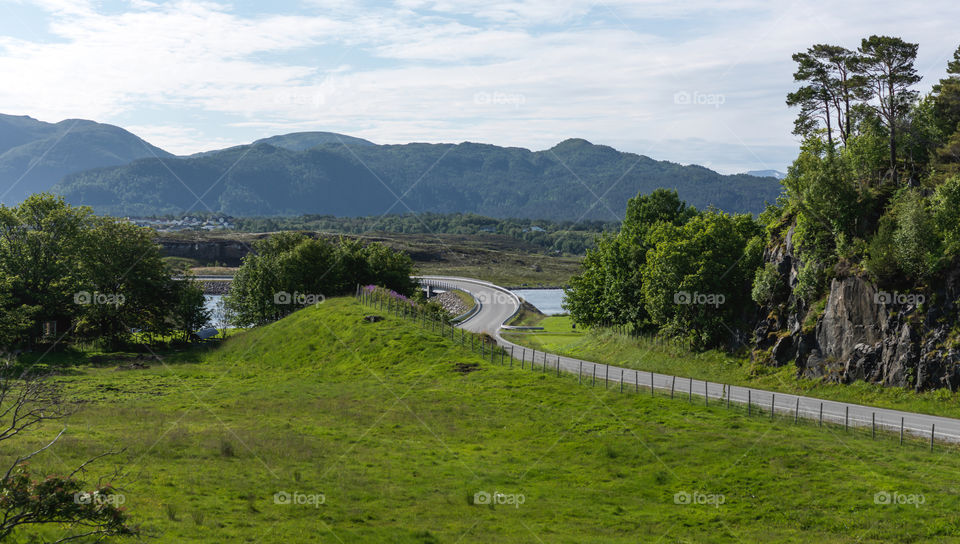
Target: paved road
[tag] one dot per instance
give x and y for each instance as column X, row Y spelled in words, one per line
column 498, row 305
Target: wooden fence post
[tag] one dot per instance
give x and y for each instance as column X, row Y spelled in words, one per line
column 821, row 416
column 796, row 414
column 580, row 373
column 749, row 403
column 901, row 431
column 673, row 384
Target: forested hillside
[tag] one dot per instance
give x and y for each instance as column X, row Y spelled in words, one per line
column 571, row 181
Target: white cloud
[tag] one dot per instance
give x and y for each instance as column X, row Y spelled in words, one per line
column 527, row 73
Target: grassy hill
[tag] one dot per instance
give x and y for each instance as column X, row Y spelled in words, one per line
column 573, row 180
column 400, row 429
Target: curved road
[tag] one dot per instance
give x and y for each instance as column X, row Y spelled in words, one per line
column 497, row 305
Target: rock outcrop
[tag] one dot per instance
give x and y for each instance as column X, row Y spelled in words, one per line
column 864, row 333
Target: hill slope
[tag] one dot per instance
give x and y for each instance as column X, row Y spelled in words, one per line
column 572, row 180
column 35, row 155
column 399, row 429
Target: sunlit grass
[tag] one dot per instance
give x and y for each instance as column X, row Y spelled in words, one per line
column 387, row 423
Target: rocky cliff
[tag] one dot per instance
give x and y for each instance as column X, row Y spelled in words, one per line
column 863, row 332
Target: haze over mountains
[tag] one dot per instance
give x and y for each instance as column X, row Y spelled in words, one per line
column 118, row 173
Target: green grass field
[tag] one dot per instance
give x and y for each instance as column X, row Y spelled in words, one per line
column 658, row 356
column 400, row 430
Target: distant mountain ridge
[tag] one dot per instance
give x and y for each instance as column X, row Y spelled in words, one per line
column 345, row 176
column 35, row 155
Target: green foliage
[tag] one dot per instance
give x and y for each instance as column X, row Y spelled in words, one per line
column 94, row 277
column 697, row 278
column 907, row 247
column 768, row 285
column 821, row 185
column 610, row 288
column 289, row 271
column 916, row 245
column 812, row 280
column 946, row 215
column 946, row 97
column 63, row 501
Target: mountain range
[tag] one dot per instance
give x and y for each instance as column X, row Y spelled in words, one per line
column 117, row 173
column 35, row 155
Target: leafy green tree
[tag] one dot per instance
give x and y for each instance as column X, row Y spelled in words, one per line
column 124, row 283
column 821, row 187
column 907, row 249
column 697, row 278
column 40, row 242
column 946, row 216
column 189, row 313
column 291, row 270
column 15, row 322
column 946, row 97
column 768, row 285
column 888, row 65
column 584, row 298
column 388, row 267
column 609, row 289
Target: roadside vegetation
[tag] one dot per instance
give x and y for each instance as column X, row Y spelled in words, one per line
column 675, row 357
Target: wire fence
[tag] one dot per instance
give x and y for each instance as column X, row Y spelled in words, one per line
column 777, row 407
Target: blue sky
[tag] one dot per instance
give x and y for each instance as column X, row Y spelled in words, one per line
column 692, row 82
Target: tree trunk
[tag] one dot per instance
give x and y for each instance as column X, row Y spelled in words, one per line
column 893, row 132
column 826, row 105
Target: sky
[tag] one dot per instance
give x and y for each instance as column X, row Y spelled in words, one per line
column 692, row 82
